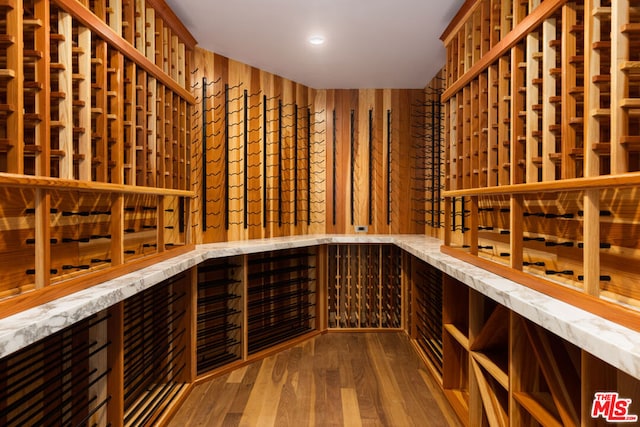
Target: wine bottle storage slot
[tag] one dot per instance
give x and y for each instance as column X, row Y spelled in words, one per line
column 77, row 233
column 155, row 351
column 59, row 380
column 365, row 286
column 281, row 297
column 219, row 316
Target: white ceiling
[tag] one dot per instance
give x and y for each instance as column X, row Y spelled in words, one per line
column 369, row 43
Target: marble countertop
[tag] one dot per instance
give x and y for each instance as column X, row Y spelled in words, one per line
column 617, row 345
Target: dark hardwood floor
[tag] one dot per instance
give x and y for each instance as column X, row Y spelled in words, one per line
column 335, row 379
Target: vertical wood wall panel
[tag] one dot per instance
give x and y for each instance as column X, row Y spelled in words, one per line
column 299, row 184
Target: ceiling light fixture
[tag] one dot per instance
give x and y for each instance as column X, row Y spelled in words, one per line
column 316, row 40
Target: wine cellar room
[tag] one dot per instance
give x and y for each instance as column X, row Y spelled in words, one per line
column 185, row 212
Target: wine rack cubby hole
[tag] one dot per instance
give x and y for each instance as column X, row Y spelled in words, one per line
column 281, row 297
column 220, row 308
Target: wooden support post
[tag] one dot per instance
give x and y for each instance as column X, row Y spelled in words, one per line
column 117, row 229
column 619, row 55
column 548, row 93
column 115, row 379
column 43, row 97
column 492, row 127
column 516, row 122
column 591, row 224
column 532, row 94
column 15, row 88
column 504, row 120
column 83, row 83
column 473, row 225
column 516, row 214
column 42, row 236
column 160, row 223
column 568, row 83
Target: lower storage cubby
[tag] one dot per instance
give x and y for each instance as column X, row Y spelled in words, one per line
column 60, row 380
column 365, row 286
column 500, row 369
column 426, row 311
column 155, row 349
column 219, row 319
column 281, row 297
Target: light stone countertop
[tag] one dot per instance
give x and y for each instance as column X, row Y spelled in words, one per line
column 609, row 341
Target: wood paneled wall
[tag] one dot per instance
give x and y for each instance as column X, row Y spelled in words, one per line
column 305, row 165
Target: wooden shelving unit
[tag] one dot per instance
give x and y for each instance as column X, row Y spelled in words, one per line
column 555, row 185
column 156, row 344
column 424, row 319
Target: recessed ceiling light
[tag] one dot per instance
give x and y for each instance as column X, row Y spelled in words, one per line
column 316, row 40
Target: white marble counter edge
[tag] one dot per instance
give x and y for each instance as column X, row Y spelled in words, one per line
column 617, row 345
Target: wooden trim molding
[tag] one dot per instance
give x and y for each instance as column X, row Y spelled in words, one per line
column 27, row 181
column 459, row 19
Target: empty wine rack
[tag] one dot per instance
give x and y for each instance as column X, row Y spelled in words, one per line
column 60, row 380
column 427, row 168
column 281, row 297
column 364, row 286
column 155, row 349
column 220, row 307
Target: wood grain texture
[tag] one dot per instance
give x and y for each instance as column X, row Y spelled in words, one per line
column 334, row 379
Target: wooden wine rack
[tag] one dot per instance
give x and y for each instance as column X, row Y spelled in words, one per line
column 541, row 163
column 94, row 139
column 365, row 286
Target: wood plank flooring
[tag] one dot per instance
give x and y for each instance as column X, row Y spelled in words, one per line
column 335, row 379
